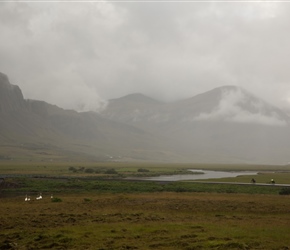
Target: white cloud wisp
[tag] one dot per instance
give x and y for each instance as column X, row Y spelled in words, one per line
column 232, row 108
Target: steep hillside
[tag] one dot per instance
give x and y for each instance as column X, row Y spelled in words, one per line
column 132, row 108
column 11, row 98
column 35, row 129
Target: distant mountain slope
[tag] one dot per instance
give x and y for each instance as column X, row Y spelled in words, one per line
column 227, row 103
column 133, row 107
column 224, row 125
column 35, row 124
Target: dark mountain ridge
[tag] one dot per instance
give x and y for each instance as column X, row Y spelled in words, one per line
column 11, row 98
column 34, row 125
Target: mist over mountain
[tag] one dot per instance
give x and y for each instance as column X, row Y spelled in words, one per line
column 227, row 103
column 224, row 125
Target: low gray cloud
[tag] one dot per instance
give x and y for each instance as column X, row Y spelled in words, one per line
column 78, row 55
column 235, row 106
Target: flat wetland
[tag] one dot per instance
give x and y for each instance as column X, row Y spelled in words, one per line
column 93, row 207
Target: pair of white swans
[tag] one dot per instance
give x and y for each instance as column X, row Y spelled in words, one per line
column 39, row 197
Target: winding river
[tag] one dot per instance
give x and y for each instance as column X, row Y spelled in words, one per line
column 200, row 175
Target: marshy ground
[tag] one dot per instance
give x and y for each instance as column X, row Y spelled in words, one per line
column 162, row 220
column 95, row 208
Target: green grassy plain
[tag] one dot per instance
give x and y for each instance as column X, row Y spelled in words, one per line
column 101, row 210
column 61, row 168
column 57, row 168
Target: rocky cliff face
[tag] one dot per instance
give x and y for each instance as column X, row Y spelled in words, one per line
column 11, row 98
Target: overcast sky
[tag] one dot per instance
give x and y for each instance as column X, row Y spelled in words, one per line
column 78, row 55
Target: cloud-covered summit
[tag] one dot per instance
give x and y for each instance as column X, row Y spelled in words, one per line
column 237, row 105
column 224, row 104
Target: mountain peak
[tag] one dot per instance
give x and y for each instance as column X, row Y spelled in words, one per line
column 229, row 87
column 5, row 83
column 235, row 104
column 3, row 78
column 11, row 97
column 137, row 97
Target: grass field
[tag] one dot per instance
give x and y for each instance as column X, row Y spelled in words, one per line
column 125, row 168
column 94, row 211
column 146, row 221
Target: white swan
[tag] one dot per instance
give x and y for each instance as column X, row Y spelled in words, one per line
column 39, row 197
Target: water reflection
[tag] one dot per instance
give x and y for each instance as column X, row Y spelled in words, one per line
column 200, row 175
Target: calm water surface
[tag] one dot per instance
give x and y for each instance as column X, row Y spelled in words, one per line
column 200, row 175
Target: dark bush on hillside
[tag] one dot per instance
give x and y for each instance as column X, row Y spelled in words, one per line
column 111, row 171
column 89, row 171
column 285, row 191
column 143, row 170
column 72, row 169
column 55, row 199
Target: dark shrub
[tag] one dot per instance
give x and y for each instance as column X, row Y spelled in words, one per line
column 89, row 170
column 72, row 169
column 111, row 171
column 55, row 199
column 284, row 191
column 143, row 170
